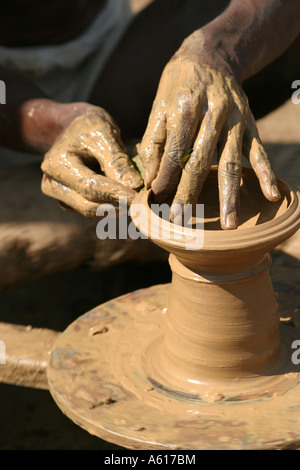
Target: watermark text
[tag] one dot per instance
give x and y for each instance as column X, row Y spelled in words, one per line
column 162, row 222
column 296, row 354
column 2, row 352
column 2, row 92
column 296, row 94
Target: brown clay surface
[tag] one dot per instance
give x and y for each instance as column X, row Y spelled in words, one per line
column 255, row 209
column 27, row 352
column 38, row 238
column 97, row 377
column 167, row 367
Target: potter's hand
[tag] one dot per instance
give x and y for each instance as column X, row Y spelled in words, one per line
column 198, row 109
column 71, row 166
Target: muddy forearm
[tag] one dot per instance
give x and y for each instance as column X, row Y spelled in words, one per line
column 30, row 121
column 250, row 34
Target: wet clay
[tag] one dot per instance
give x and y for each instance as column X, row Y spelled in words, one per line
column 91, row 144
column 97, row 377
column 203, row 363
column 217, row 331
column 200, row 110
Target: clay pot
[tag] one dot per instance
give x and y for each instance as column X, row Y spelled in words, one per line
column 222, row 324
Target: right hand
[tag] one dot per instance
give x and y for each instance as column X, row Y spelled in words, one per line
column 91, row 140
column 200, row 108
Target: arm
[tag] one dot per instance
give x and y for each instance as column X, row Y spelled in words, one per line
column 201, row 108
column 79, row 140
column 250, row 34
column 30, row 121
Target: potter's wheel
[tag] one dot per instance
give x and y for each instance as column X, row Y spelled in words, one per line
column 99, row 378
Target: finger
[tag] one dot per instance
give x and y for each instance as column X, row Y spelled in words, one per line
column 70, row 172
column 73, row 201
column 65, row 207
column 258, row 158
column 230, row 165
column 150, row 149
column 69, row 198
column 197, row 167
column 182, row 123
column 100, row 138
column 118, row 166
column 153, row 142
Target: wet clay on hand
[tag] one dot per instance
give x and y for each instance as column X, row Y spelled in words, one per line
column 92, row 142
column 200, row 109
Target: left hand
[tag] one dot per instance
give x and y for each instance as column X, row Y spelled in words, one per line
column 89, row 145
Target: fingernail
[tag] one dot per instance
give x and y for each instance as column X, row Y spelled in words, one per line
column 150, row 177
column 132, row 180
column 146, row 182
column 176, row 214
column 275, row 192
column 231, row 221
column 147, row 179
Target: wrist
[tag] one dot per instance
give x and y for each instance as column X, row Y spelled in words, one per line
column 208, row 48
column 43, row 120
column 222, row 39
column 249, row 35
column 30, row 121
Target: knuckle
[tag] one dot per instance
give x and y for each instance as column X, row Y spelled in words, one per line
column 47, row 186
column 233, row 168
column 195, row 167
column 121, row 164
column 244, row 111
column 88, row 188
column 224, row 102
column 222, row 99
column 174, row 154
column 231, row 171
column 44, row 165
column 173, row 157
column 44, row 185
column 46, row 161
column 186, row 98
column 259, row 159
column 89, row 212
column 242, row 107
column 119, row 159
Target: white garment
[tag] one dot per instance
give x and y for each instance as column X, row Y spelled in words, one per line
column 37, row 61
column 67, row 72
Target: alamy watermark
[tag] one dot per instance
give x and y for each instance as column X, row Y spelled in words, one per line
column 186, row 226
column 2, row 92
column 296, row 94
column 296, row 354
column 2, row 352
